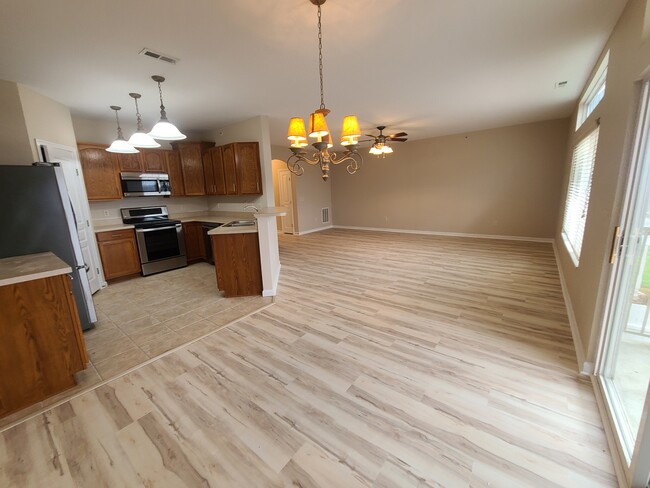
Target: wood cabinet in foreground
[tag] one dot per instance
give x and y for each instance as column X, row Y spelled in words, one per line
column 119, row 253
column 42, row 345
column 237, row 264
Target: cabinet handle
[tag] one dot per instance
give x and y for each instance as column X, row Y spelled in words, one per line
column 116, row 235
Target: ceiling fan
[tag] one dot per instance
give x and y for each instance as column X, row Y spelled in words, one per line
column 380, row 146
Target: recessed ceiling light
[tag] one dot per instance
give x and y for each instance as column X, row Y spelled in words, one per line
column 158, row 55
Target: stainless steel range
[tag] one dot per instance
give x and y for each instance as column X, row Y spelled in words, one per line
column 160, row 240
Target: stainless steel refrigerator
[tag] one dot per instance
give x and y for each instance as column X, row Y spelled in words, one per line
column 37, row 216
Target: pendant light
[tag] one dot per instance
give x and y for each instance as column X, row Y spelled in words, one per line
column 120, row 145
column 318, row 129
column 164, row 129
column 139, row 137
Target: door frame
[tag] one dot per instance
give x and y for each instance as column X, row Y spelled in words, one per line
column 292, row 212
column 92, row 241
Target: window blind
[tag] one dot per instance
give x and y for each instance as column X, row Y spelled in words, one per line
column 577, row 200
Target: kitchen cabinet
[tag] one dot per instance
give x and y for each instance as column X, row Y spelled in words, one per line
column 130, row 162
column 213, row 168
column 173, row 162
column 194, row 242
column 101, row 172
column 241, row 167
column 153, row 160
column 119, row 253
column 191, row 155
column 237, row 264
column 42, row 345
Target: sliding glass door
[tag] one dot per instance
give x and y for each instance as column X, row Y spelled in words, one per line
column 623, row 369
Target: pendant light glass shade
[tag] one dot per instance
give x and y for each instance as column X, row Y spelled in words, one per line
column 120, row 145
column 164, row 129
column 139, row 138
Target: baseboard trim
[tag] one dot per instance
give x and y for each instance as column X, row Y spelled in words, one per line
column 585, row 368
column 311, row 231
column 447, row 234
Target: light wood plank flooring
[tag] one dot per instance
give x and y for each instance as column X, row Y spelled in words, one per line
column 388, row 360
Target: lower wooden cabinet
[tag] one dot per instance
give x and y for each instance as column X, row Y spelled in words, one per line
column 119, row 253
column 42, row 345
column 237, row 264
column 194, row 242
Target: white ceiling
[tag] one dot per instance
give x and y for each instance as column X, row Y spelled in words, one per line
column 428, row 67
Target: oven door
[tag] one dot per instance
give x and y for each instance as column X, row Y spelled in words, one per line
column 160, row 243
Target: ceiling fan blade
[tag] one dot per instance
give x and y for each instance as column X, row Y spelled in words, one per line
column 367, row 140
column 370, row 135
column 398, row 139
column 399, row 134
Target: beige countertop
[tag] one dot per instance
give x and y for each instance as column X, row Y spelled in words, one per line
column 252, row 229
column 18, row 269
column 109, row 228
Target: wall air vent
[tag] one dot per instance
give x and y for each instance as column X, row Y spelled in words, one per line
column 325, row 214
column 157, row 55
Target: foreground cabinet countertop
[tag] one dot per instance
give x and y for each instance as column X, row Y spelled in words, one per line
column 18, row 269
column 42, row 345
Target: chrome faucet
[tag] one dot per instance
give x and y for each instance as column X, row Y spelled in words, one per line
column 252, row 206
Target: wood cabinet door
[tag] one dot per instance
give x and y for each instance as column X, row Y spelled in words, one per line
column 153, row 160
column 208, row 172
column 119, row 256
column 229, row 169
column 130, row 162
column 192, row 166
column 194, row 241
column 175, row 172
column 218, row 171
column 249, row 175
column 101, row 172
column 237, row 264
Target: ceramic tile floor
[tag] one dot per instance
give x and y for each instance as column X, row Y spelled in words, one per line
column 142, row 318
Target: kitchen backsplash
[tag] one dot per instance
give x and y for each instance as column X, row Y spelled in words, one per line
column 108, row 213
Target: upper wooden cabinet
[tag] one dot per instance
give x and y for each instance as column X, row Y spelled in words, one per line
column 173, row 163
column 215, row 182
column 153, row 160
column 241, row 168
column 130, row 162
column 101, row 171
column 191, row 154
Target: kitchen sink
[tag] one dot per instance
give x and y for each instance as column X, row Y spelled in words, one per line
column 240, row 223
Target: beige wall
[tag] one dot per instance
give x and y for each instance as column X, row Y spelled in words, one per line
column 310, row 195
column 503, row 182
column 587, row 284
column 15, row 147
column 255, row 129
column 45, row 119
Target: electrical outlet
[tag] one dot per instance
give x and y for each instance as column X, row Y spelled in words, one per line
column 107, row 213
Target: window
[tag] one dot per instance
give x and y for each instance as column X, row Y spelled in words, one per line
column 594, row 93
column 577, row 199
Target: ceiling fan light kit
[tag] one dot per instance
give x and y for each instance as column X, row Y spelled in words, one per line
column 318, row 129
column 380, row 145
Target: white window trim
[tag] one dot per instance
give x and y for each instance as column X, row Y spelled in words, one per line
column 597, row 82
column 578, row 204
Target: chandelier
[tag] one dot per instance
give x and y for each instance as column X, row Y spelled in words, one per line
column 318, row 129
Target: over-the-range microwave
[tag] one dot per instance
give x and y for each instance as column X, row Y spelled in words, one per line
column 145, row 184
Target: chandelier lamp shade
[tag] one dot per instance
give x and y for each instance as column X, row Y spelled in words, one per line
column 139, row 137
column 120, row 145
column 164, row 130
column 319, row 130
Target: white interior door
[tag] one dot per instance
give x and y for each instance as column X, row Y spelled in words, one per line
column 71, row 166
column 286, row 200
